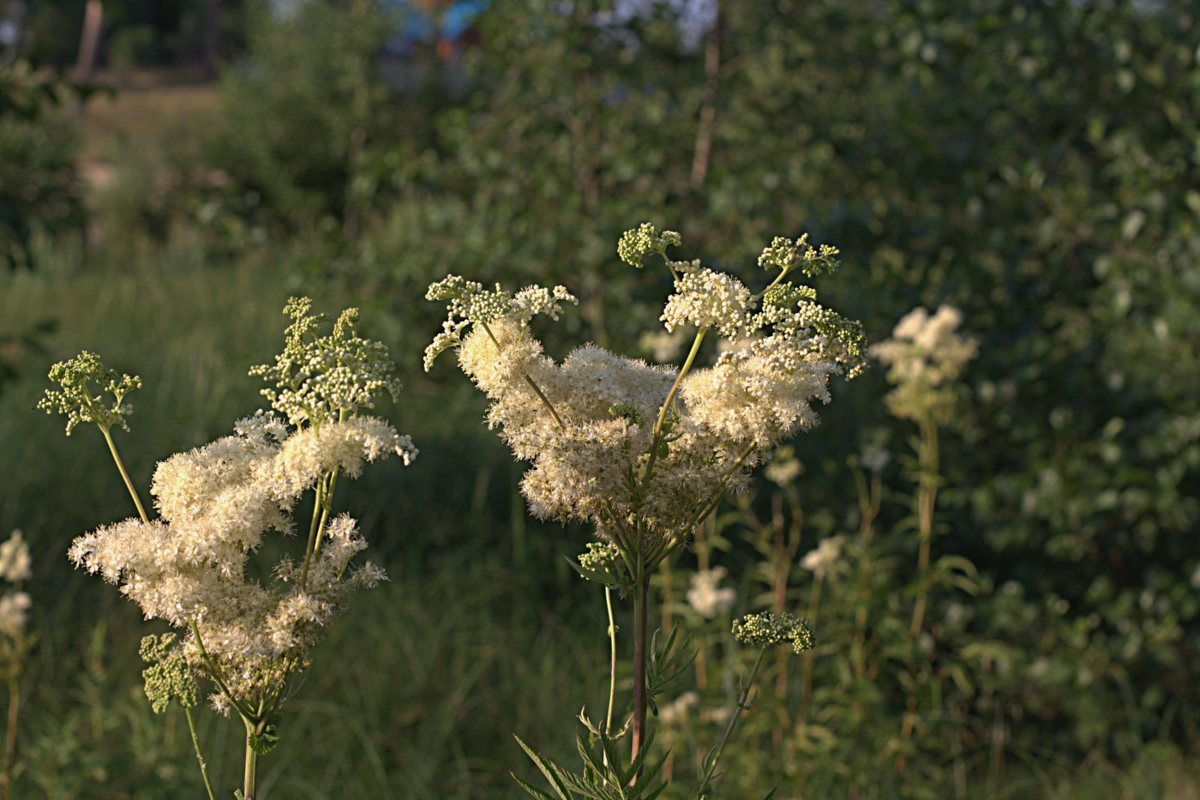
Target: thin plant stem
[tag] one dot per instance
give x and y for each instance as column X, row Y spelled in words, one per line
column 326, row 505
column 214, row 672
column 612, row 641
column 250, row 776
column 814, row 607
column 656, row 439
column 112, row 448
column 10, row 739
column 546, row 401
column 926, row 502
column 710, row 768
column 641, row 599
column 313, row 527
column 612, row 667
column 199, row 755
column 537, row 389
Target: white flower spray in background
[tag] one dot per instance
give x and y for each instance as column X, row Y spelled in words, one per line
column 215, row 504
column 15, row 642
column 645, row 453
column 925, row 358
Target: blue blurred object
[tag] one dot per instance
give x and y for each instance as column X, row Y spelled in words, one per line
column 420, row 25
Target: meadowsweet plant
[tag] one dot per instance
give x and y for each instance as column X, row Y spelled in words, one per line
column 246, row 639
column 925, row 357
column 645, row 453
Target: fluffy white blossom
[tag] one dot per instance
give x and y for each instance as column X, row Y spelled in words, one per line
column 710, row 299
column 925, row 356
column 15, row 562
column 823, row 560
column 588, row 425
column 216, row 502
column 15, row 567
column 707, row 596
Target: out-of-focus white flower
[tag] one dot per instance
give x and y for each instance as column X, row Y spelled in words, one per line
column 706, row 596
column 663, row 346
column 784, row 467
column 924, row 358
column 677, row 710
column 14, row 611
column 822, row 560
column 15, row 562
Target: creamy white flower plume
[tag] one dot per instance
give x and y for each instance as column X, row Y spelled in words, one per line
column 925, row 356
column 216, row 503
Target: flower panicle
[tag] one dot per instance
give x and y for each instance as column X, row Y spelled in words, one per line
column 645, row 240
column 786, row 256
column 322, row 377
column 168, row 677
column 768, row 630
column 76, row 400
column 584, row 423
column 468, row 302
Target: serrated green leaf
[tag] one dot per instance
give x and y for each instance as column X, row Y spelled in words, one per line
column 592, row 575
column 548, row 769
column 264, row 743
column 538, row 793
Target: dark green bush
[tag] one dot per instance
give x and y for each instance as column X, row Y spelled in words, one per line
column 39, row 183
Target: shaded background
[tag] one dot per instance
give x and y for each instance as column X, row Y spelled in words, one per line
column 1036, row 164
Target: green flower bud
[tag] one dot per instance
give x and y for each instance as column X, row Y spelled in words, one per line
column 767, row 630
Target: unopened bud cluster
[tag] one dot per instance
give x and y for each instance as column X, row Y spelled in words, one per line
column 767, row 630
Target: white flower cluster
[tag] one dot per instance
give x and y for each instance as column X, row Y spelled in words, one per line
column 588, row 425
column 710, row 299
column 216, row 502
column 824, row 559
column 321, row 377
column 925, row 357
column 15, row 567
column 706, row 595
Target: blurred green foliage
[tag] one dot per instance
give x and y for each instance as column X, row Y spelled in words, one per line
column 1036, row 164
column 39, row 184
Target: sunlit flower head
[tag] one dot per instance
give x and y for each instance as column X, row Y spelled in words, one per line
column 925, row 356
column 604, row 447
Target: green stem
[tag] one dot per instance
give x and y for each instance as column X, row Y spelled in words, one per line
column 720, row 493
column 656, row 439
column 313, row 527
column 612, row 643
column 10, row 740
column 537, row 389
column 199, row 756
column 326, row 507
column 112, row 448
column 546, row 402
column 641, row 599
column 250, row 776
column 710, row 767
column 214, row 672
column 926, row 502
column 612, row 667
